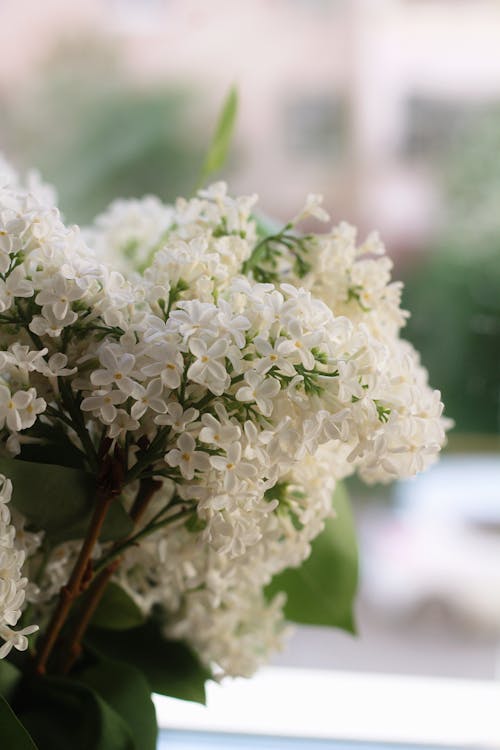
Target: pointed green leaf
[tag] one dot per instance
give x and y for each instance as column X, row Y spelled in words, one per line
column 170, row 667
column 218, row 150
column 61, row 713
column 10, row 676
column 12, row 733
column 128, row 693
column 55, row 447
column 60, row 500
column 117, row 610
column 322, row 590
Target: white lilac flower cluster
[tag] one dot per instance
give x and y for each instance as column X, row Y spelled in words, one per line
column 242, row 373
column 12, row 583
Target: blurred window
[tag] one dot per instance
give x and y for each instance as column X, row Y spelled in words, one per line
column 314, row 125
column 433, row 123
column 133, row 16
column 318, row 5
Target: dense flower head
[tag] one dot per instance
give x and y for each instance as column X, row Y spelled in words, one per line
column 12, row 583
column 245, row 373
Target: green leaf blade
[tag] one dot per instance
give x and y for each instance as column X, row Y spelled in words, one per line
column 117, row 610
column 170, row 667
column 322, row 590
column 127, row 691
column 10, row 677
column 60, row 500
column 221, row 141
column 61, row 713
column 13, row 735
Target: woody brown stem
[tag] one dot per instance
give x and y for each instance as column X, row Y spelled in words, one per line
column 147, row 489
column 99, row 585
column 73, row 588
column 109, row 485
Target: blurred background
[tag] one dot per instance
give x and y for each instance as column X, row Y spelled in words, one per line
column 391, row 108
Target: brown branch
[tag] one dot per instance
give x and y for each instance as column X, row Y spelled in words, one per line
column 99, row 585
column 147, row 488
column 72, row 651
column 109, row 486
column 73, row 588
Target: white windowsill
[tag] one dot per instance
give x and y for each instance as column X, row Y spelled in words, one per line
column 346, row 706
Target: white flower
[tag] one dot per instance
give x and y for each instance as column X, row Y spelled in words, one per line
column 176, row 417
column 103, row 404
column 15, row 285
column 121, row 424
column 56, row 366
column 259, row 389
column 270, row 357
column 250, row 399
column 48, row 324
column 148, row 398
column 186, row 457
column 58, row 297
column 127, row 232
column 15, row 639
column 299, row 344
column 312, row 208
column 194, row 317
column 19, row 410
column 233, row 467
column 235, row 325
column 168, row 364
column 220, row 434
column 118, row 367
column 23, row 359
column 208, row 369
column 12, row 583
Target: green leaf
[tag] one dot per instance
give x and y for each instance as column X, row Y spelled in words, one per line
column 219, row 147
column 117, row 610
column 170, row 667
column 10, row 676
column 322, row 590
column 61, row 713
column 60, row 500
column 128, row 693
column 55, row 448
column 13, row 735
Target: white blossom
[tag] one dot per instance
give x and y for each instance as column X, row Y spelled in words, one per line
column 148, row 336
column 186, row 457
column 259, row 389
column 12, row 583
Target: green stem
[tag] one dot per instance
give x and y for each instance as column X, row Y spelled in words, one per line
column 152, row 454
column 133, row 540
column 261, row 247
column 78, row 424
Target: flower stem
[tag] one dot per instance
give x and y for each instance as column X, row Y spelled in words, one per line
column 78, row 423
column 73, row 588
column 147, row 488
column 109, row 487
column 146, row 531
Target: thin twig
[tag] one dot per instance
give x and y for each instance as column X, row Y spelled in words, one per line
column 147, row 489
column 72, row 589
column 109, row 487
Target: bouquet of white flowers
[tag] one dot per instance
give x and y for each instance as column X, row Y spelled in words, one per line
column 180, row 392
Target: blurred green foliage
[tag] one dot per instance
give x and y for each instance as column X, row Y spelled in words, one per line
column 96, row 133
column 455, row 295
